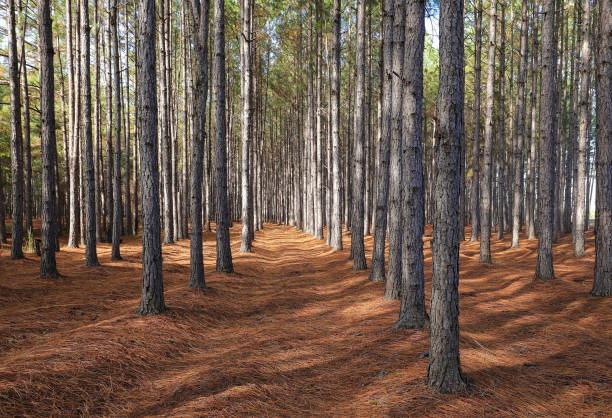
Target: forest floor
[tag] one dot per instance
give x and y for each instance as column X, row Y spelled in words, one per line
column 296, row 332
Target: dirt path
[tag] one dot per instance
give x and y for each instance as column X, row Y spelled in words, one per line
column 295, row 332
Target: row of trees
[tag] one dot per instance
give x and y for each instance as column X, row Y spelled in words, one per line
column 346, row 118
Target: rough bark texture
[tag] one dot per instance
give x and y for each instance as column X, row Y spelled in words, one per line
column 602, row 285
column 48, row 268
column 152, row 299
column 584, row 126
column 485, row 192
column 531, row 166
column 412, row 309
column 75, row 213
column 357, row 246
column 224, row 252
column 394, row 273
column 27, row 150
column 246, row 125
column 91, row 256
column 16, row 138
column 335, row 223
column 200, row 13
column 475, row 189
column 382, row 179
column 520, row 133
column 544, row 267
column 444, row 371
column 117, row 209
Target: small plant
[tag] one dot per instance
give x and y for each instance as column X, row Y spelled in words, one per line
column 29, row 242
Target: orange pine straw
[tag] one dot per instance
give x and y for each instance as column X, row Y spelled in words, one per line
column 296, row 332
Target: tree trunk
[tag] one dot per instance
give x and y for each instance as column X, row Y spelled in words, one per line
column 48, row 267
column 200, row 14
column 584, row 127
column 531, row 166
column 602, row 285
column 335, row 224
column 485, row 192
column 117, row 209
column 520, row 132
column 224, row 252
column 394, row 273
column 501, row 142
column 246, row 78
column 152, row 300
column 27, row 151
column 544, row 267
column 357, row 246
column 412, row 311
column 16, row 138
column 108, row 193
column 74, row 214
column 475, row 188
column 91, row 256
column 444, row 370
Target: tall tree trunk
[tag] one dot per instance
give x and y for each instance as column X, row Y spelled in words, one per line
column 91, row 256
column 108, row 197
column 246, row 78
column 412, row 311
column 520, row 132
column 544, row 266
column 444, row 370
column 531, row 166
column 200, row 14
column 96, row 121
column 335, row 223
column 75, row 214
column 501, row 142
column 357, row 246
column 48, row 267
column 485, row 192
column 602, row 285
column 27, row 151
column 394, row 273
column 152, row 300
column 584, row 127
column 382, row 189
column 224, row 252
column 117, row 209
column 475, row 188
column 16, row 138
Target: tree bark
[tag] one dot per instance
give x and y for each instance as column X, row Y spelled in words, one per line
column 602, row 285
column 544, row 266
column 16, row 138
column 117, row 209
column 246, row 79
column 475, row 188
column 412, row 310
column 48, row 268
column 27, row 151
column 485, row 192
column 520, row 132
column 394, row 273
column 224, row 252
column 357, row 246
column 444, row 370
column 152, row 299
column 91, row 256
column 335, row 224
column 584, row 127
column 200, row 17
